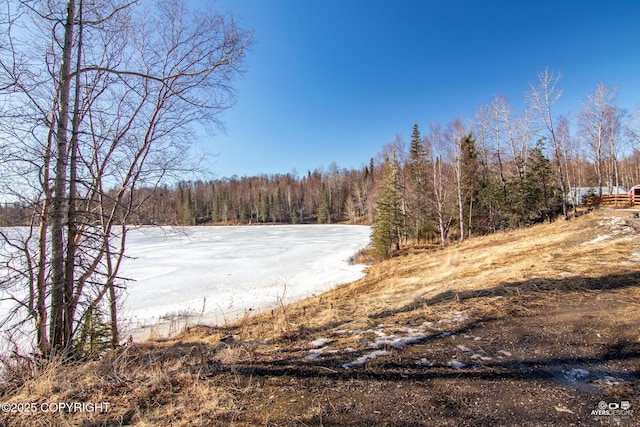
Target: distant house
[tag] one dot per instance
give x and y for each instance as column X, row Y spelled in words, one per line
column 578, row 195
column 634, row 195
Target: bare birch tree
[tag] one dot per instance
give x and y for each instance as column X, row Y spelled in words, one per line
column 454, row 136
column 615, row 121
column 104, row 98
column 441, row 182
column 599, row 125
column 541, row 99
column 566, row 144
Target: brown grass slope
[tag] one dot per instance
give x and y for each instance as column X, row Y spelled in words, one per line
column 529, row 327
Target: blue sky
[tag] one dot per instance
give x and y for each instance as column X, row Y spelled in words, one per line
column 334, row 80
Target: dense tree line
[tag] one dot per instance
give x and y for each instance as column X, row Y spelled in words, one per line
column 500, row 170
column 496, row 171
column 320, row 196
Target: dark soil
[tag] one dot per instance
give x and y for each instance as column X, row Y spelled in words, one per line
column 549, row 359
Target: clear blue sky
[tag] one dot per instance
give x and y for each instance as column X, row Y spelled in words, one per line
column 334, row 80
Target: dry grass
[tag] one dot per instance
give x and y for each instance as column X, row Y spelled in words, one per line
column 197, row 377
column 525, row 258
column 159, row 383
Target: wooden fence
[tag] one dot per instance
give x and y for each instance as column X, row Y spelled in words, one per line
column 616, row 200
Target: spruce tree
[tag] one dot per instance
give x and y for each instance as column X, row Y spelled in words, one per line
column 324, row 214
column 388, row 220
column 186, row 215
column 371, row 169
column 471, row 177
column 538, row 192
column 417, row 182
column 263, row 206
column 95, row 334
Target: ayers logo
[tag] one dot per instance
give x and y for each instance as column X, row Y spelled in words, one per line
column 613, row 409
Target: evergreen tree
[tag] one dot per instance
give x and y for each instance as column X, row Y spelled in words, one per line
column 95, row 334
column 418, row 173
column 388, row 219
column 371, row 169
column 489, row 213
column 185, row 209
column 471, row 177
column 538, row 191
column 324, row 214
column 263, row 206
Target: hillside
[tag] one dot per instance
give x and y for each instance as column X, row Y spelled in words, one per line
column 536, row 326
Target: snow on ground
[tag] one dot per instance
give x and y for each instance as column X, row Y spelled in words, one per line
column 217, row 274
column 383, row 338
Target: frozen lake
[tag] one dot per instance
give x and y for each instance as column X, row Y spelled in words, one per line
column 217, row 274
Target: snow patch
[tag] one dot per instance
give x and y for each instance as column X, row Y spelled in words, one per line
column 320, row 342
column 387, row 337
column 576, row 374
column 400, row 342
column 424, row 362
column 608, row 380
column 455, row 364
column 481, row 357
column 363, row 359
column 314, row 354
column 457, row 318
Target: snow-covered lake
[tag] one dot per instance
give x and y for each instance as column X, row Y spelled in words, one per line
column 217, row 274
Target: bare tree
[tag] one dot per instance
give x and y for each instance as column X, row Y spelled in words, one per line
column 615, row 121
column 600, row 124
column 567, row 145
column 103, row 100
column 501, row 142
column 630, row 168
column 500, row 112
column 441, row 181
column 541, row 99
column 454, row 136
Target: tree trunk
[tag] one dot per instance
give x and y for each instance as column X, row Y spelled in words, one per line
column 72, row 216
column 58, row 327
column 461, row 206
column 42, row 339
